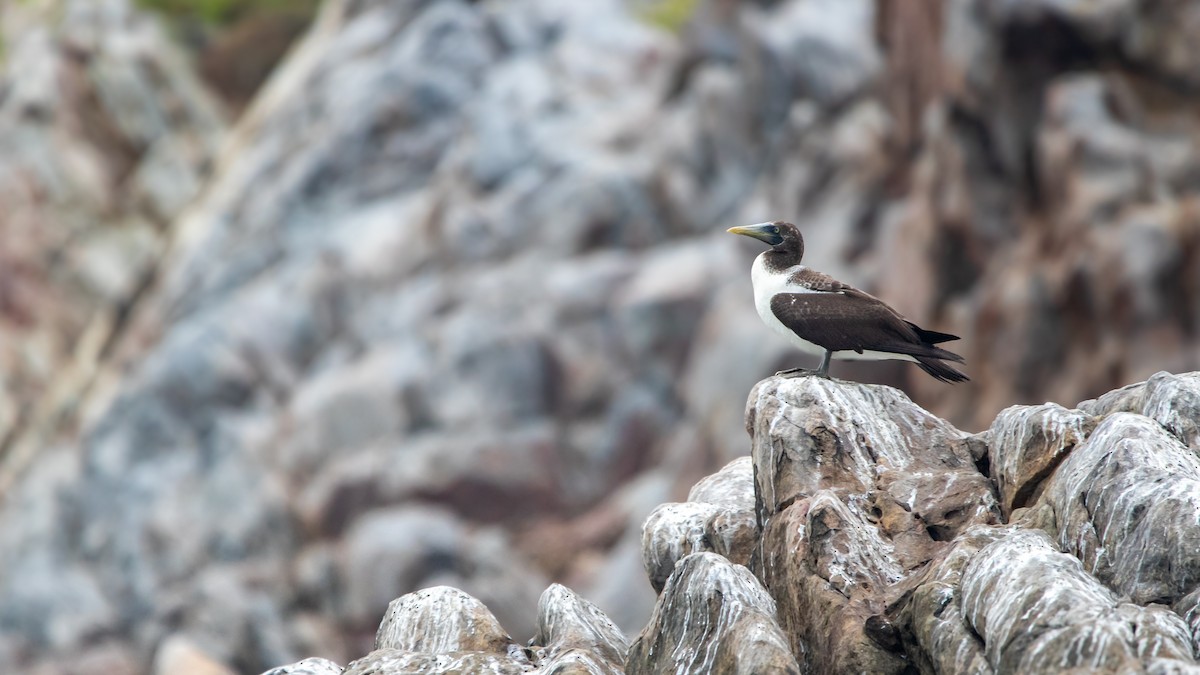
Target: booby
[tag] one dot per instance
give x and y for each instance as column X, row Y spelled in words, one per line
column 823, row 316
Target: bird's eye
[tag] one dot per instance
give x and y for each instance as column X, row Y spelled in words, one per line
column 774, row 230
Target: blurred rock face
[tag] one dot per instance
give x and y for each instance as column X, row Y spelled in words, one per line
column 105, row 134
column 457, row 296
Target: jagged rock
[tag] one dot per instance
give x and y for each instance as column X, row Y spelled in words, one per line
column 1171, row 400
column 1127, row 504
column 860, row 489
column 307, row 667
column 1038, row 611
column 1029, row 442
column 718, row 517
column 712, row 616
column 576, row 637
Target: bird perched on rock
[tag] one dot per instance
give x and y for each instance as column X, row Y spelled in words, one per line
column 821, row 315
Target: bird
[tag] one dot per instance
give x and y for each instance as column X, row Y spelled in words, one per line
column 823, row 316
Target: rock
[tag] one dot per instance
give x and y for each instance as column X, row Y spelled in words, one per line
column 576, row 636
column 313, row 666
column 1127, row 504
column 712, row 616
column 440, row 630
column 1032, row 624
column 177, row 654
column 1030, row 442
column 939, row 638
column 444, row 630
column 858, row 590
column 1171, row 400
column 390, row 551
column 440, row 620
column 105, row 135
column 906, row 472
column 718, row 517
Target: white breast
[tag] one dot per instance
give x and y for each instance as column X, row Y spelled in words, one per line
column 766, row 285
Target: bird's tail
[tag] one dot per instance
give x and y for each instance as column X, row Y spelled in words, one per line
column 940, row 370
column 931, row 336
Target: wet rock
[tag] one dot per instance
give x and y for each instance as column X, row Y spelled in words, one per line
column 444, row 630
column 440, row 620
column 712, row 616
column 440, row 630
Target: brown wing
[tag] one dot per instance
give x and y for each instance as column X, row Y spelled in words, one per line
column 844, row 321
column 818, row 281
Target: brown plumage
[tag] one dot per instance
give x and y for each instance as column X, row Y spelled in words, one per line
column 820, row 314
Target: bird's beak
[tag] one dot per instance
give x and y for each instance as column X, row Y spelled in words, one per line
column 761, row 232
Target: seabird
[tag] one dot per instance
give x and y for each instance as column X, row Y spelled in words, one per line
column 821, row 315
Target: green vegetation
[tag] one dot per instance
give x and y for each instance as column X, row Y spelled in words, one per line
column 224, row 12
column 669, row 14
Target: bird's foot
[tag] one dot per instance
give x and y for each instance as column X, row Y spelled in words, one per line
column 797, row 372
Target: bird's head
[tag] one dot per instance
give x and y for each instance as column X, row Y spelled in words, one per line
column 782, row 237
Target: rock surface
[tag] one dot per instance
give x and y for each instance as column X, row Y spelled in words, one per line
column 713, row 617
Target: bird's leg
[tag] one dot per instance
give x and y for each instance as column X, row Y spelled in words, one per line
column 821, row 371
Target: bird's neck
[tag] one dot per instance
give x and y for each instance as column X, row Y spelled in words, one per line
column 776, row 261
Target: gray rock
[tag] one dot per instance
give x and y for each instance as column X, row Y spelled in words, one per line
column 1027, row 444
column 1125, row 504
column 313, row 666
column 718, row 517
column 440, row 620
column 938, row 637
column 1171, row 400
column 1032, row 624
column 399, row 662
column 469, row 255
column 576, row 636
column 712, row 616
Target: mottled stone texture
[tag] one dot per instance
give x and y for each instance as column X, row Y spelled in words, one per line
column 713, row 617
column 884, row 547
column 718, row 516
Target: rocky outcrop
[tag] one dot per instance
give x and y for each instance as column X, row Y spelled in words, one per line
column 891, row 541
column 880, row 545
column 713, row 616
column 444, row 630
